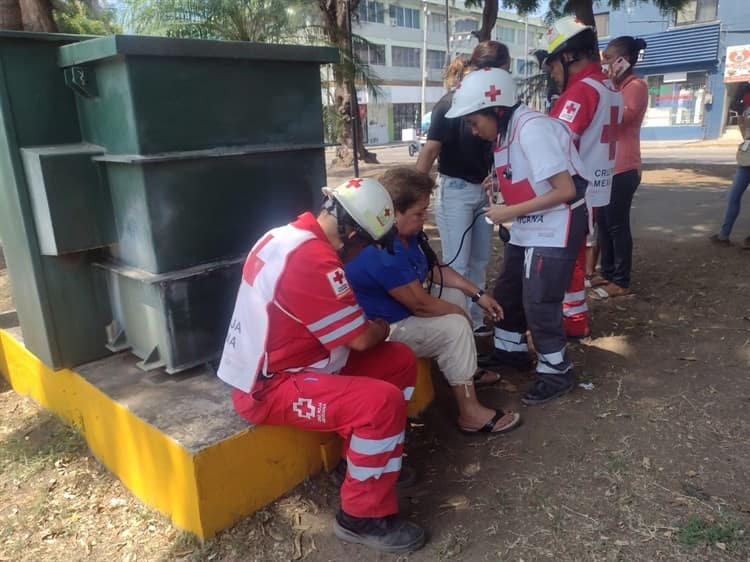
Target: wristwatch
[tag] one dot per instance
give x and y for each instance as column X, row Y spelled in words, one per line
column 478, row 295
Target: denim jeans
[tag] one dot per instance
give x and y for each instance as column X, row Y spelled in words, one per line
column 739, row 185
column 457, row 202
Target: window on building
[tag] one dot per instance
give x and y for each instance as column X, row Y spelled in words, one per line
column 405, row 56
column 435, row 59
column 405, row 116
column 436, row 23
column 677, row 98
column 506, row 34
column 466, row 25
column 601, row 21
column 697, row 11
column 520, row 67
column 370, row 11
column 371, row 53
column 404, row 17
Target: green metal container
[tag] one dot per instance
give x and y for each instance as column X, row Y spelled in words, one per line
column 62, row 306
column 163, row 160
column 208, row 143
column 173, row 320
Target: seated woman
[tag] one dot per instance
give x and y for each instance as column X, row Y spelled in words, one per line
column 391, row 286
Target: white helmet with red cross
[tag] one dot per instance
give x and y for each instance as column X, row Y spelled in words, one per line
column 368, row 203
column 483, row 88
column 560, row 36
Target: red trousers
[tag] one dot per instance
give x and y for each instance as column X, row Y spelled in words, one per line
column 365, row 403
column 575, row 309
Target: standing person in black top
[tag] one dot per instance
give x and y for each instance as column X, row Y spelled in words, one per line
column 463, row 164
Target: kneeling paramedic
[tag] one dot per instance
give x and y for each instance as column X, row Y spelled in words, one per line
column 538, row 171
column 300, row 352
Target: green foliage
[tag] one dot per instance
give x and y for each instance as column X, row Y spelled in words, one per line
column 698, row 531
column 78, row 17
column 558, row 8
column 333, row 124
column 262, row 21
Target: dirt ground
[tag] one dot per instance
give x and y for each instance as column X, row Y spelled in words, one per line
column 649, row 462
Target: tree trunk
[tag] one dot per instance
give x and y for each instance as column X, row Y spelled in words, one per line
column 583, row 10
column 37, row 15
column 10, row 15
column 489, row 18
column 336, row 24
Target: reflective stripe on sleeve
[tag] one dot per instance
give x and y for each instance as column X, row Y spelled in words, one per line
column 343, row 330
column 331, row 318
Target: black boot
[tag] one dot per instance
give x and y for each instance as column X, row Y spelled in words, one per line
column 406, row 478
column 497, row 359
column 543, row 392
column 388, row 534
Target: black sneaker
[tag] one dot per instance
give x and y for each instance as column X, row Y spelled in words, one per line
column 387, row 534
column 406, row 478
column 496, row 359
column 542, row 392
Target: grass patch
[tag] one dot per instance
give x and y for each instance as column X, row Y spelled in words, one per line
column 696, row 530
column 616, row 464
column 35, row 450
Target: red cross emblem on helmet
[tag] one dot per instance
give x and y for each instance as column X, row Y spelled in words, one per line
column 355, row 183
column 492, row 93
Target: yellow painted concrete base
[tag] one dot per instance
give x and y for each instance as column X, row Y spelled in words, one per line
column 204, row 491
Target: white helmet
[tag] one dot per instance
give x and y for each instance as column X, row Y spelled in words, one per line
column 483, row 88
column 368, row 203
column 558, row 37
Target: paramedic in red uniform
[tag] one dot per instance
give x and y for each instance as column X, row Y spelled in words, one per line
column 301, row 352
column 538, row 171
column 591, row 107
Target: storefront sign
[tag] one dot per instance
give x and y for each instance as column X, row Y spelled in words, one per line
column 737, row 67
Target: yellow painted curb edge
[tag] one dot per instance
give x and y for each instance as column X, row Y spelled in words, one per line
column 201, row 492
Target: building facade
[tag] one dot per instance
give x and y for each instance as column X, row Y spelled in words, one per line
column 696, row 63
column 397, row 32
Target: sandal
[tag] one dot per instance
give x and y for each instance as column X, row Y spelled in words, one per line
column 597, row 280
column 491, row 425
column 609, row 291
column 480, row 376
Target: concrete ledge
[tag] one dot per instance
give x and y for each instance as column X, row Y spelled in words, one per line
column 175, row 441
column 8, row 319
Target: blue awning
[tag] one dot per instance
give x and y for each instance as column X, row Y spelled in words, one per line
column 680, row 46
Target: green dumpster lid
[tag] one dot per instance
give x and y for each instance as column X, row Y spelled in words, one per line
column 35, row 36
column 116, row 45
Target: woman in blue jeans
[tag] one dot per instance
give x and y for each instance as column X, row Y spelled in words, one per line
column 464, row 163
column 737, row 189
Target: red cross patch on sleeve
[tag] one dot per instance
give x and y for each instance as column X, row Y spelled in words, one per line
column 339, row 282
column 569, row 111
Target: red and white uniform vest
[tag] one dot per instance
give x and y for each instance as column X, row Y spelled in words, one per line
column 537, row 148
column 592, row 108
column 294, row 311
